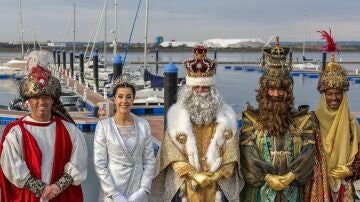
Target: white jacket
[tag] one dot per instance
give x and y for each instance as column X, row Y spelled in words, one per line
column 118, row 169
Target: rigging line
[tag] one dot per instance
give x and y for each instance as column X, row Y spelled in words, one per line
column 269, row 41
column 92, row 33
column 131, row 33
column 35, row 38
column 62, row 44
column 98, row 28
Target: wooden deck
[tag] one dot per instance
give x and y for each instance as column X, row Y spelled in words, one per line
column 91, row 96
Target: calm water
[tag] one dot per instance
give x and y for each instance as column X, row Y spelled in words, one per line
column 237, row 87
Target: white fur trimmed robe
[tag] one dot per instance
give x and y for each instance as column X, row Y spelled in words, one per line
column 173, row 149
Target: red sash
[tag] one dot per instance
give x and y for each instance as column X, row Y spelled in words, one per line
column 33, row 158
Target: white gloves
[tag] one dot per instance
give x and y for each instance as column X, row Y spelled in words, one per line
column 119, row 198
column 139, row 196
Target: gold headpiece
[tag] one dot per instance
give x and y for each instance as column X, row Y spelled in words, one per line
column 40, row 82
column 275, row 64
column 334, row 76
column 200, row 70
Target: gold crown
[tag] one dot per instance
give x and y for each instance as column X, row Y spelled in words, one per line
column 333, row 77
column 200, row 65
column 275, row 61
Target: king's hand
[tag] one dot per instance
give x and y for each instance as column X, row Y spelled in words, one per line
column 287, row 178
column 214, row 177
column 274, row 182
column 203, row 179
column 340, row 172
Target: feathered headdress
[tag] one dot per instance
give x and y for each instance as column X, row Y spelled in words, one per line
column 330, row 44
column 334, row 75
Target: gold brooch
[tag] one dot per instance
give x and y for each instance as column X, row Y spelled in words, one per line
column 227, row 134
column 181, row 137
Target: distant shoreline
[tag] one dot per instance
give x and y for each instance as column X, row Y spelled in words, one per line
column 5, row 47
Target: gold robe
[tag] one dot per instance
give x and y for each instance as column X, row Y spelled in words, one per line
column 174, row 164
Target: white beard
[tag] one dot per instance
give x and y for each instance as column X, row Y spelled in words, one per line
column 202, row 107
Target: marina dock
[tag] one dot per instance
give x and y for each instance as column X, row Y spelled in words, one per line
column 86, row 123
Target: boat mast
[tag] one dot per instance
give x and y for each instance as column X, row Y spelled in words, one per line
column 74, row 26
column 105, row 32
column 115, row 32
column 146, row 31
column 304, row 38
column 21, row 30
column 34, row 37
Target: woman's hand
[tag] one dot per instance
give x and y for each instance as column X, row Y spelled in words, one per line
column 119, row 198
column 139, row 196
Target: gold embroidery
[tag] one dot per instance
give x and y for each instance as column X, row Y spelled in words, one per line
column 181, row 137
column 310, row 142
column 182, row 168
column 308, row 131
column 294, row 130
column 228, row 134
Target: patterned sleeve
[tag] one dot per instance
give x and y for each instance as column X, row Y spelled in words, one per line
column 253, row 167
column 303, row 164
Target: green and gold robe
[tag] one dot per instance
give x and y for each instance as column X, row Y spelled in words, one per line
column 263, row 154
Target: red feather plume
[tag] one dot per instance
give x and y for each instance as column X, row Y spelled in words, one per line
column 330, row 44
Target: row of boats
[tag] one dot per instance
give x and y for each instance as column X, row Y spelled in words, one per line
column 149, row 86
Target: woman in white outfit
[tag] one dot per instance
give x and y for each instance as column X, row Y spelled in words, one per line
column 123, row 150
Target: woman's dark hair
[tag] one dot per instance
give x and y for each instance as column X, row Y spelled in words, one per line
column 124, row 85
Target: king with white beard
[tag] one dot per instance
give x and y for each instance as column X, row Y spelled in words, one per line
column 199, row 158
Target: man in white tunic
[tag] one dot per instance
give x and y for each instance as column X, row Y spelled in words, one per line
column 43, row 154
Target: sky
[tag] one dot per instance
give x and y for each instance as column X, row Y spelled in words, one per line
column 183, row 20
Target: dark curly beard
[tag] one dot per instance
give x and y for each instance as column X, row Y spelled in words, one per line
column 275, row 113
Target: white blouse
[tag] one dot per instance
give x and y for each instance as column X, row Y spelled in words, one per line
column 128, row 135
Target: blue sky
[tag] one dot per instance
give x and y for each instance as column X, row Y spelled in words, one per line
column 185, row 20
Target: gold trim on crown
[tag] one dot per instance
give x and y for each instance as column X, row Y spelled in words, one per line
column 275, row 61
column 333, row 77
column 200, row 66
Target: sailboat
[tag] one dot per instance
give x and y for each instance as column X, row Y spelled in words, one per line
column 306, row 63
column 154, row 93
column 16, row 65
column 88, row 66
